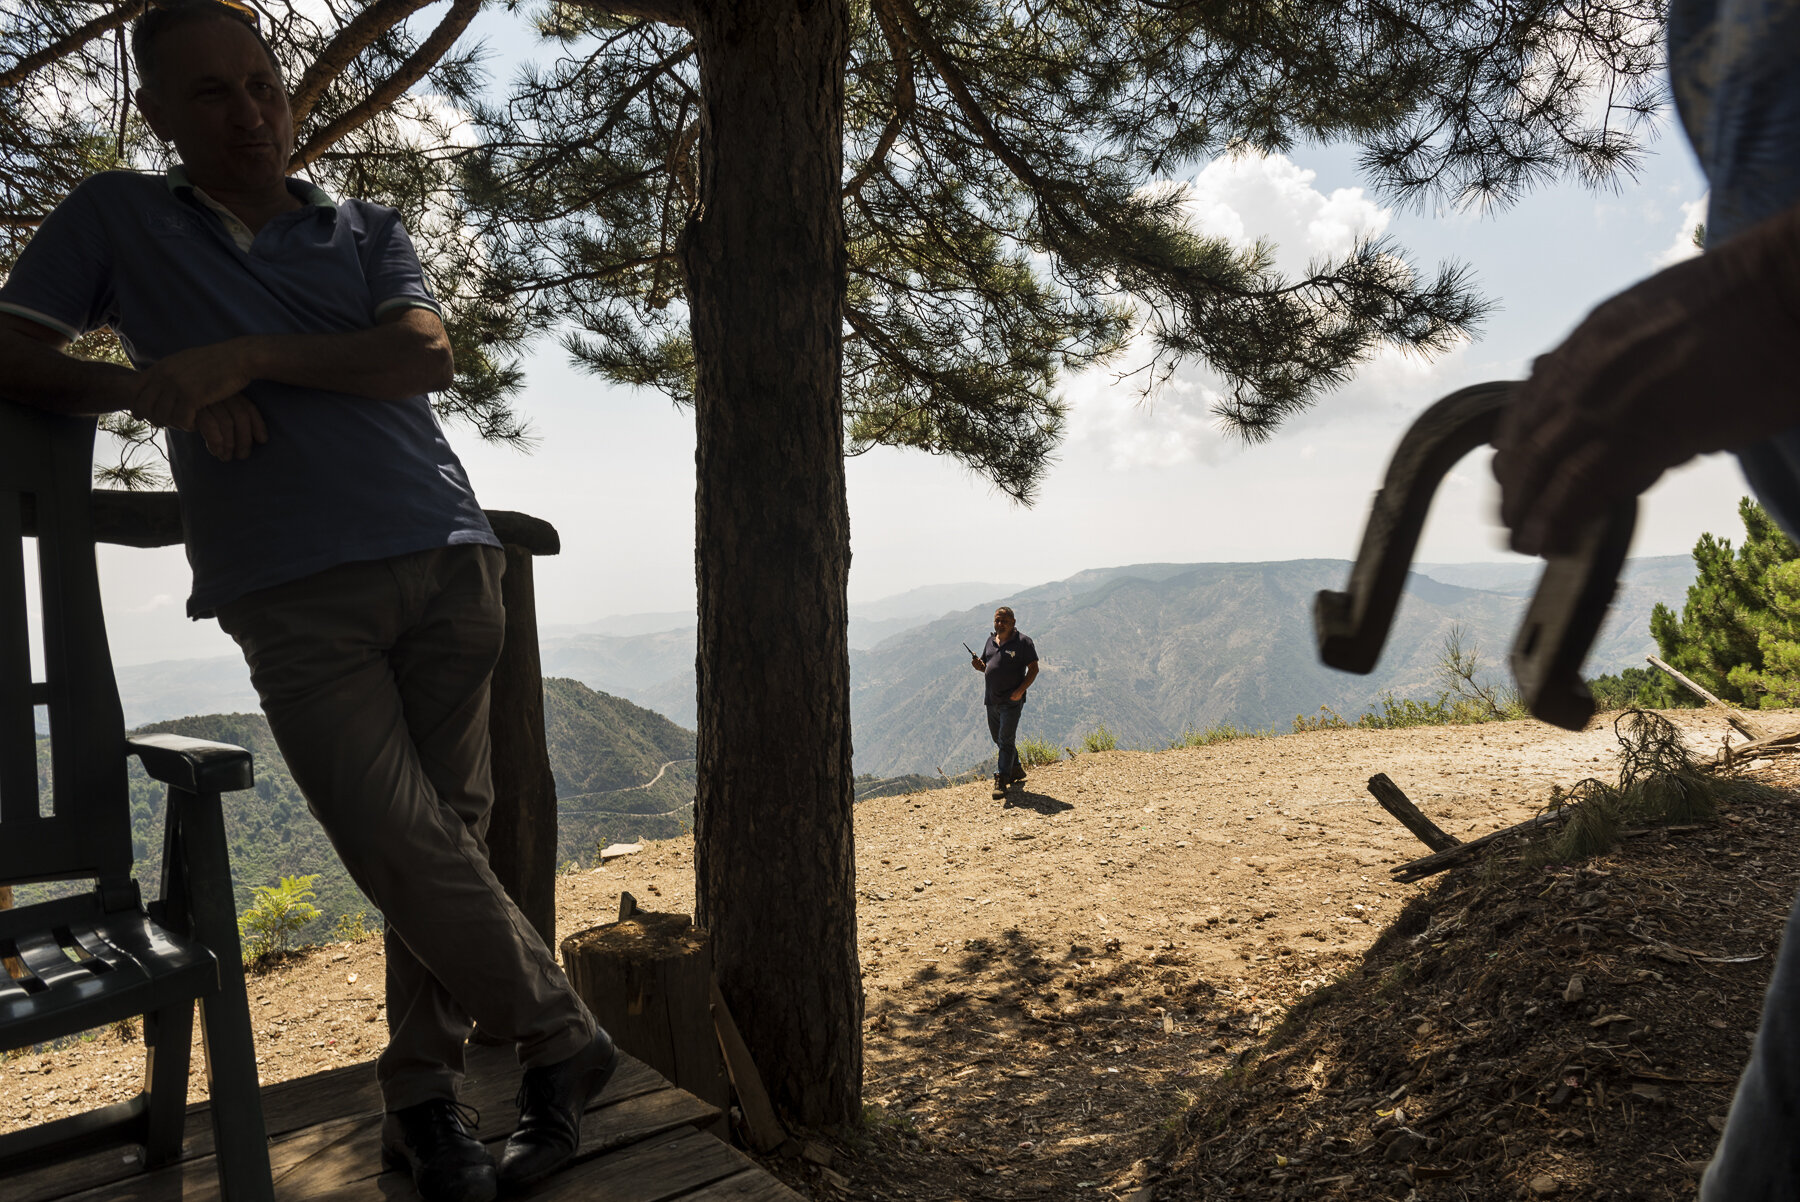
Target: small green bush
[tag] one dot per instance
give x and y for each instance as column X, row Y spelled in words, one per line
column 1035, row 753
column 353, row 928
column 1222, row 733
column 278, row 914
column 1099, row 739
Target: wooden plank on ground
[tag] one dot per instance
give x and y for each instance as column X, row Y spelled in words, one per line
column 766, row 1131
column 751, row 1185
column 1462, row 853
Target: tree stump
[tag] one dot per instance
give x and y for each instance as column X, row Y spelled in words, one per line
column 648, row 979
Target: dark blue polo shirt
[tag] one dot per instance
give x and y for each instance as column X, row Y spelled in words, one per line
column 342, row 478
column 1005, row 664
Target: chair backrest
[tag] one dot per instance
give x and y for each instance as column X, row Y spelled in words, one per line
column 82, row 828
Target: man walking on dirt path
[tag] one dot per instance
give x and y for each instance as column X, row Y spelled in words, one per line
column 285, row 342
column 1700, row 357
column 1008, row 663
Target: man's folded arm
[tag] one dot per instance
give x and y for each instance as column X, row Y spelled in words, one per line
column 405, row 354
column 34, row 371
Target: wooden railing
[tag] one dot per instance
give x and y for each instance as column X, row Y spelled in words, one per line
column 521, row 837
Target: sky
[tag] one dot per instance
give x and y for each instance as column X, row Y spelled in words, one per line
column 1136, row 480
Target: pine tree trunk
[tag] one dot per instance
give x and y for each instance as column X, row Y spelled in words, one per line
column 764, row 256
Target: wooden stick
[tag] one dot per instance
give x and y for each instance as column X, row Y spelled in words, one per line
column 1396, row 803
column 1437, row 862
column 1774, row 743
column 1744, row 726
column 766, row 1131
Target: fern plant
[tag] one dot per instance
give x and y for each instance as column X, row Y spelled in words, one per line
column 276, row 916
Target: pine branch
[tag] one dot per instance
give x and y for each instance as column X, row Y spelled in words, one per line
column 906, row 99
column 71, row 42
column 391, row 89
column 341, row 51
column 663, row 12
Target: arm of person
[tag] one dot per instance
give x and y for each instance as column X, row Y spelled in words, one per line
column 406, row 353
column 34, row 370
column 1699, row 357
column 1031, row 671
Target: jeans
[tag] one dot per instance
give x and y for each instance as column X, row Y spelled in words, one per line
column 374, row 677
column 1758, row 1159
column 1003, row 726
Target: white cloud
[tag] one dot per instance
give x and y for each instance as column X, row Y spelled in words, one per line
column 1246, row 199
column 1682, row 245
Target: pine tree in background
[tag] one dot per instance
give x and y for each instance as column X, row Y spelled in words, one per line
column 867, row 222
column 1739, row 631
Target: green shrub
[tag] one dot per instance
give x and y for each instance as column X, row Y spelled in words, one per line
column 1099, row 739
column 353, row 928
column 1222, row 733
column 1035, row 753
column 278, row 914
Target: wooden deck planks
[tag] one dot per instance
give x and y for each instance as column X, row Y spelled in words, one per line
column 638, row 1145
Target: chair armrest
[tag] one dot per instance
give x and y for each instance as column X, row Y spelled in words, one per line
column 193, row 764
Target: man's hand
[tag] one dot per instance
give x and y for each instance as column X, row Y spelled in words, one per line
column 231, row 427
column 178, row 387
column 975, row 662
column 1699, row 357
column 1018, row 694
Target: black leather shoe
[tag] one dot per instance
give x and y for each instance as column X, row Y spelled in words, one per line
column 433, row 1139
column 551, row 1100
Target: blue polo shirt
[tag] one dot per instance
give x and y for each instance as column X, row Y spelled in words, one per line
column 1004, row 666
column 342, row 478
column 1734, row 66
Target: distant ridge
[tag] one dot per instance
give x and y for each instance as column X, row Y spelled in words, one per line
column 1149, row 649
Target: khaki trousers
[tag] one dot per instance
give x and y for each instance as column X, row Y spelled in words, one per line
column 374, row 678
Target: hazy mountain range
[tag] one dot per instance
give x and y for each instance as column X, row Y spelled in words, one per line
column 1148, row 649
column 1152, row 650
column 647, row 657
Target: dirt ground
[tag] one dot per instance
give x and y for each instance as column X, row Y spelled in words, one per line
column 1058, row 985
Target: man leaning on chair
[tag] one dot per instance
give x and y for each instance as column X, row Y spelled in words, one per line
column 286, row 342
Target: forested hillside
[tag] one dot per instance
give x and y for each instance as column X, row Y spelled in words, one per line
column 622, row 773
column 269, row 829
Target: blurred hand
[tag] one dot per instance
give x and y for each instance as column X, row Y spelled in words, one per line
column 231, row 427
column 1699, row 357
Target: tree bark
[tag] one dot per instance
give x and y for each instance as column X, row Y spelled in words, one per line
column 764, row 257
